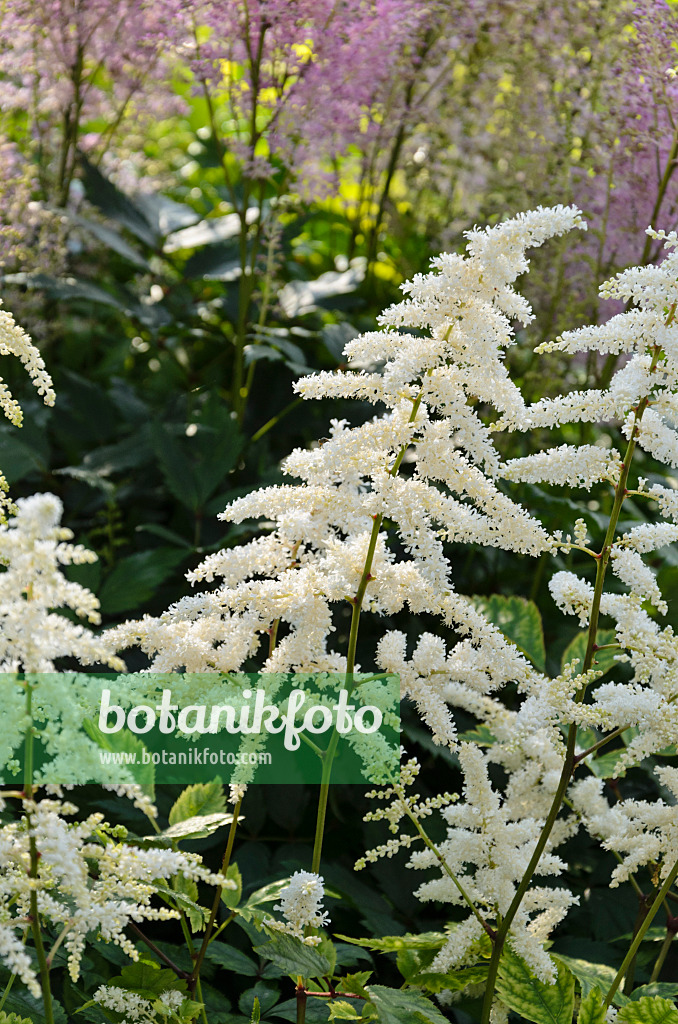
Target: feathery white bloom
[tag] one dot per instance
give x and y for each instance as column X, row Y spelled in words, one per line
column 88, row 882
column 301, row 904
column 638, row 577
column 15, row 341
column 579, row 467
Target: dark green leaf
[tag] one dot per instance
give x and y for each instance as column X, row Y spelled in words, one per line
column 293, row 957
column 576, row 650
column 398, row 1006
column 231, row 959
column 116, row 205
column 136, row 578
column 520, row 622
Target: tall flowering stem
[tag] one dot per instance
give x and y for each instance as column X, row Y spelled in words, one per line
column 357, row 603
column 571, row 761
column 36, row 931
column 200, row 956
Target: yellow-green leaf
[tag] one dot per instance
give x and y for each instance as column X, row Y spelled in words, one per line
column 531, row 998
column 202, row 798
column 592, row 1009
column 649, row 1010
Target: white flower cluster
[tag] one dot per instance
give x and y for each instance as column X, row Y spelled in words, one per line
column 33, row 549
column 14, row 341
column 486, row 835
column 365, row 527
column 301, row 904
column 135, row 1008
column 88, row 882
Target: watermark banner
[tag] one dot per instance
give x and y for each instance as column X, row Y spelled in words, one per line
column 64, row 728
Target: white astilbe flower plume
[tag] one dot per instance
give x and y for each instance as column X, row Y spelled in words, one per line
column 89, row 882
column 14, row 341
column 370, row 520
column 33, row 549
column 294, row 582
column 301, row 905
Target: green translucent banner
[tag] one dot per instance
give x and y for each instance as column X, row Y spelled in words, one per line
column 68, row 728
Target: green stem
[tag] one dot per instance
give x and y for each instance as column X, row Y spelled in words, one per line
column 635, row 945
column 601, row 743
column 216, row 902
column 446, row 868
column 671, row 927
column 269, row 424
column 330, row 753
column 356, row 603
column 643, row 910
column 154, row 949
column 36, row 932
column 8, row 989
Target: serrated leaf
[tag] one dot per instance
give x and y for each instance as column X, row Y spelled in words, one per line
column 393, row 943
column 147, row 979
column 592, row 1009
column 605, row 766
column 592, row 976
column 135, row 579
column 407, row 962
column 198, row 827
column 185, row 894
column 454, row 981
column 125, row 742
column 266, row 894
column 341, row 1010
column 355, row 983
column 189, row 1009
column 231, row 959
column 520, row 622
column 656, row 988
column 232, row 897
column 481, row 736
column 13, row 1018
column 576, row 649
column 649, row 1010
column 398, row 1006
column 293, row 956
column 24, row 1006
column 202, row 798
column 532, row 999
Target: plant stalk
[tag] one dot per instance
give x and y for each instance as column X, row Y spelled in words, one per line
column 570, row 761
